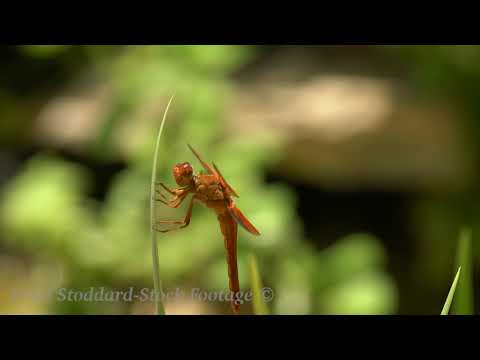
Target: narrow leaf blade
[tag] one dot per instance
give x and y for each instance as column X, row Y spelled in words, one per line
column 259, row 304
column 159, row 308
column 448, row 302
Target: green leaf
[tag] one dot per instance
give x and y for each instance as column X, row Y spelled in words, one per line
column 448, row 302
column 155, row 262
column 259, row 304
column 463, row 303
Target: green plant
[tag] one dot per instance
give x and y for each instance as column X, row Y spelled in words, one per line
column 448, row 301
column 259, row 304
column 155, row 263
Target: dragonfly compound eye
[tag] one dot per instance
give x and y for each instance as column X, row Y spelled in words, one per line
column 183, row 173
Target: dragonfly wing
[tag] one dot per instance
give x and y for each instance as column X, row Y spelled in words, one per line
column 224, row 182
column 205, row 165
column 242, row 220
column 213, row 170
column 229, row 231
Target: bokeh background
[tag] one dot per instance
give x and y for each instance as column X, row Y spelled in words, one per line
column 358, row 164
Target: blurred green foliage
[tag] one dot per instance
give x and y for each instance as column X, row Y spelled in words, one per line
column 45, row 210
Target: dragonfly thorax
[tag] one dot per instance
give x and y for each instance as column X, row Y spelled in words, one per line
column 208, row 187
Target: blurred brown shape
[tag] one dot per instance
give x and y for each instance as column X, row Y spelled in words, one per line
column 71, row 120
column 356, row 131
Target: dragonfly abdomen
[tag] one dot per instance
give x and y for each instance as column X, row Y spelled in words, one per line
column 229, row 231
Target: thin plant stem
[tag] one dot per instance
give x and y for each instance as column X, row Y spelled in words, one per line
column 159, row 308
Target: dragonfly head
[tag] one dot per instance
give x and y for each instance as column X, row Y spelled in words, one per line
column 183, row 173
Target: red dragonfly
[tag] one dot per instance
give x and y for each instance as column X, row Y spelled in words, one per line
column 213, row 190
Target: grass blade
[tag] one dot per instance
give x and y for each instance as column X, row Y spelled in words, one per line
column 259, row 304
column 448, row 302
column 159, row 308
column 463, row 303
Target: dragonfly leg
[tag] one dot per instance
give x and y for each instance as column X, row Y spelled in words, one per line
column 183, row 223
column 175, row 201
column 163, row 202
column 164, row 199
column 161, row 194
column 171, row 191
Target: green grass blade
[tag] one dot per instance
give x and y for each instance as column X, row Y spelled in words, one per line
column 259, row 304
column 463, row 303
column 160, row 310
column 448, row 302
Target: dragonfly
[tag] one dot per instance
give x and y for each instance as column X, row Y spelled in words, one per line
column 215, row 192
